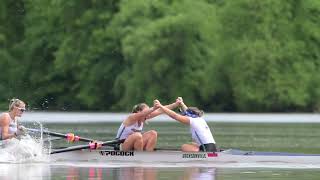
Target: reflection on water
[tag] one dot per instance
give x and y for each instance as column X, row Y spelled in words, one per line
column 65, row 171
column 136, row 173
column 45, row 171
column 194, row 173
column 72, row 173
column 24, row 171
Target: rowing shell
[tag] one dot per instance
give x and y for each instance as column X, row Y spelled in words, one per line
column 227, row 156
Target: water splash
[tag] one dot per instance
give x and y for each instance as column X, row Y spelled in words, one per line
column 22, row 150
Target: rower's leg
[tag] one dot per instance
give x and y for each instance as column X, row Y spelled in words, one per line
column 138, row 144
column 134, row 141
column 190, row 148
column 150, row 140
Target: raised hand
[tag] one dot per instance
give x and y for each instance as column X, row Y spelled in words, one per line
column 179, row 100
column 156, row 103
column 181, row 104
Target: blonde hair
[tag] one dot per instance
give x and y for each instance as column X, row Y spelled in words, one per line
column 139, row 107
column 15, row 103
column 196, row 111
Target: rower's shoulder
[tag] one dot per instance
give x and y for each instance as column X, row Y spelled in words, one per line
column 132, row 118
column 129, row 120
column 4, row 117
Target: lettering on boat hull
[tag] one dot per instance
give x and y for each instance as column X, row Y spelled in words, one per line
column 194, row 155
column 116, row 153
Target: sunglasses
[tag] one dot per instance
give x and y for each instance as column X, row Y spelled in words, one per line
column 21, row 109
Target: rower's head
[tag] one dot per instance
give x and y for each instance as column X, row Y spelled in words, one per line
column 193, row 112
column 139, row 107
column 17, row 107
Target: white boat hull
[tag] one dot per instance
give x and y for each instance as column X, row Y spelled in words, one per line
column 109, row 156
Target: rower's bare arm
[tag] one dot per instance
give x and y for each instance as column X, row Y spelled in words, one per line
column 160, row 111
column 178, row 117
column 5, row 121
column 182, row 105
column 172, row 114
column 142, row 115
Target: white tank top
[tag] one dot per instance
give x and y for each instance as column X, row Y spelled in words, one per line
column 124, row 132
column 12, row 126
column 200, row 131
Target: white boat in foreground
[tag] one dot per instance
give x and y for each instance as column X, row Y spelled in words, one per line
column 227, row 156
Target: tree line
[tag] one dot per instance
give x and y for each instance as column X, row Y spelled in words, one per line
column 220, row 55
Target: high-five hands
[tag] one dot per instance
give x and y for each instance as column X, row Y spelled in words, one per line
column 182, row 107
column 156, row 103
column 179, row 101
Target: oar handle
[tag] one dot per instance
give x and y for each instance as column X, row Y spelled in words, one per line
column 69, row 136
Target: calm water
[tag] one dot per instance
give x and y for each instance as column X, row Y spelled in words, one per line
column 89, row 171
column 284, row 137
column 293, row 137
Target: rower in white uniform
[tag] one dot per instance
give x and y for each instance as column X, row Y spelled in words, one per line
column 9, row 127
column 131, row 128
column 201, row 134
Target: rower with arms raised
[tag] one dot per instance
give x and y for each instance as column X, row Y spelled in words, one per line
column 131, row 128
column 201, row 134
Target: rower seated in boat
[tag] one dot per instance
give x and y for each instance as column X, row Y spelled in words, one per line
column 131, row 128
column 8, row 123
column 201, row 133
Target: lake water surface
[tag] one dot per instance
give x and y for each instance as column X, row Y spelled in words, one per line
column 89, row 171
column 284, row 137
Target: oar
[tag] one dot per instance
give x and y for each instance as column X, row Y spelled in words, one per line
column 89, row 146
column 167, row 149
column 69, row 136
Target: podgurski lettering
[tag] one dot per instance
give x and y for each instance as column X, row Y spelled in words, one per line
column 193, row 156
column 116, row 153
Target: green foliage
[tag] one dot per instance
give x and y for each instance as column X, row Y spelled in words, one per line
column 71, row 38
column 264, row 58
column 165, row 48
column 11, row 33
